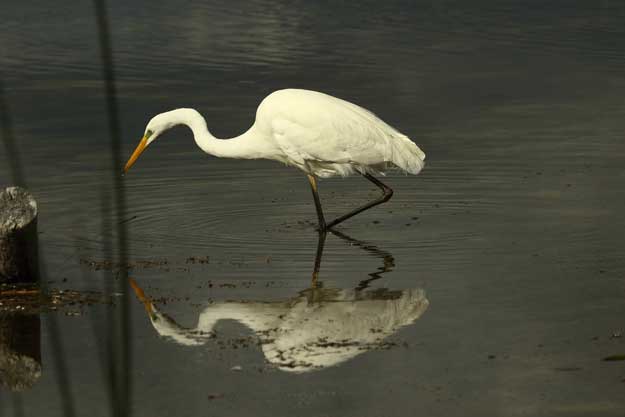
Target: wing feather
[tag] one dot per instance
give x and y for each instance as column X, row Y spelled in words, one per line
column 314, row 127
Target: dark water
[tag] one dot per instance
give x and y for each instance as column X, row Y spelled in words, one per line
column 511, row 239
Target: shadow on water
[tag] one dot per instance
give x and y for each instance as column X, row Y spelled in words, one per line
column 316, row 328
column 119, row 348
column 20, row 333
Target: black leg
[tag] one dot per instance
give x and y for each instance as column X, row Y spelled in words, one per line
column 387, row 193
column 313, row 186
column 320, row 244
column 388, row 261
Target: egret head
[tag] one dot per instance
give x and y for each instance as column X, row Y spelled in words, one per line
column 157, row 125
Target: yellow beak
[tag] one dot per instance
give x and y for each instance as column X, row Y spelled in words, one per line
column 140, row 148
column 142, row 297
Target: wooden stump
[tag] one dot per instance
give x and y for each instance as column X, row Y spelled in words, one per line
column 18, row 236
column 20, row 346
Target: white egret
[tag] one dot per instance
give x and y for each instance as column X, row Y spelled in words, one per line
column 322, row 135
column 316, row 329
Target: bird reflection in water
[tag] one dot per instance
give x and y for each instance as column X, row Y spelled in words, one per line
column 317, row 328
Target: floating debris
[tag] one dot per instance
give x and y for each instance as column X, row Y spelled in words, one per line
column 198, row 260
column 107, row 265
column 33, row 300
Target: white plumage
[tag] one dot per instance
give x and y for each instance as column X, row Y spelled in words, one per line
column 314, row 330
column 324, row 136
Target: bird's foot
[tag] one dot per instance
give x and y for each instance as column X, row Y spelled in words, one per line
column 322, row 228
column 315, row 279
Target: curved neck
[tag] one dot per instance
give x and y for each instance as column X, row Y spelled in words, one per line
column 249, row 145
column 259, row 317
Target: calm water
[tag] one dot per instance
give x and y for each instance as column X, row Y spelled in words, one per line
column 501, row 268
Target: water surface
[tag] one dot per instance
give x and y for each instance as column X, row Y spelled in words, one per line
column 513, row 232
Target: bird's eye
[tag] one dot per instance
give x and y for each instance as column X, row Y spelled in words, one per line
column 148, row 133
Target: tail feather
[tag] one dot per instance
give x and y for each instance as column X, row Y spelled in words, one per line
column 407, row 155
